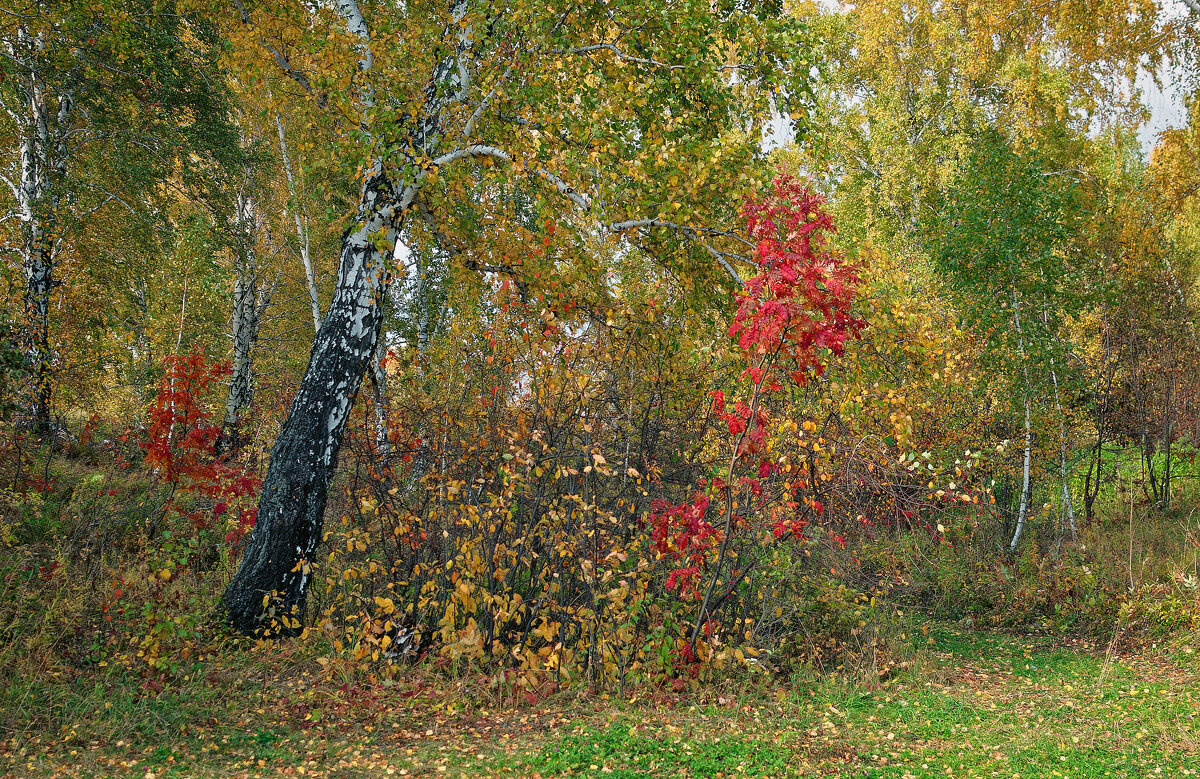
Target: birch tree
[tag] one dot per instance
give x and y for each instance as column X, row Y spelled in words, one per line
column 251, row 295
column 128, row 94
column 629, row 121
column 300, row 220
column 913, row 83
column 1001, row 243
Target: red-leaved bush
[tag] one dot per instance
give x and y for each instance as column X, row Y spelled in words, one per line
column 181, row 446
column 799, row 303
column 791, row 318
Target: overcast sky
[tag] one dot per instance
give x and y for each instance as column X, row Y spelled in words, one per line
column 1166, row 104
column 1166, row 109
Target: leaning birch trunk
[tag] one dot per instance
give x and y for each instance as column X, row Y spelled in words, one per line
column 1023, row 509
column 269, row 590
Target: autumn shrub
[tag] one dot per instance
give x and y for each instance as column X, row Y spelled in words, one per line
column 113, row 561
column 813, row 617
column 517, row 531
column 204, row 504
column 585, row 494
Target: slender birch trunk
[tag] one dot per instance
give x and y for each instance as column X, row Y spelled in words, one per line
column 1022, row 511
column 42, row 124
column 249, row 299
column 383, row 439
column 141, row 353
column 1168, row 434
column 301, row 223
column 420, row 305
column 1096, row 465
column 1067, row 506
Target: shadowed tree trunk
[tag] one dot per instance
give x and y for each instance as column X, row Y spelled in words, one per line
column 43, row 124
column 250, row 299
column 1091, row 486
column 269, row 590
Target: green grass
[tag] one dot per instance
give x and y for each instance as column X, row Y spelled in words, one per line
column 619, row 751
column 974, row 704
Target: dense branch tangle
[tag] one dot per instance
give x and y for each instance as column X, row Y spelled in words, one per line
column 622, row 128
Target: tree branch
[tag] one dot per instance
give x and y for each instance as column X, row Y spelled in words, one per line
column 481, row 150
column 11, row 186
column 623, row 56
column 443, row 242
column 535, row 128
column 693, row 233
column 281, row 59
column 16, row 120
column 585, row 204
column 111, row 196
column 477, row 114
column 634, row 223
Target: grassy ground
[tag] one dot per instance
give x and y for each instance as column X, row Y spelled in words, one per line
column 975, row 704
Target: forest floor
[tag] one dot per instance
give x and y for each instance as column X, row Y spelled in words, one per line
column 974, row 704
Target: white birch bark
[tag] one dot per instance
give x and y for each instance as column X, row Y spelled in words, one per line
column 1068, row 507
column 301, row 224
column 383, row 440
column 249, row 300
column 42, row 120
column 270, row 588
column 1023, row 510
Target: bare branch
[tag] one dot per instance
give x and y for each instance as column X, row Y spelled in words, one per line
column 623, row 56
column 694, row 234
column 281, row 59
column 480, row 150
